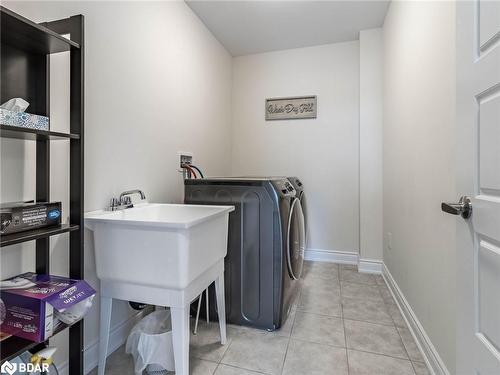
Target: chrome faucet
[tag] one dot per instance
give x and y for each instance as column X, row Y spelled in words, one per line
column 135, row 191
column 125, row 201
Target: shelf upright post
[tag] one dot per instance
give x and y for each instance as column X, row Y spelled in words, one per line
column 75, row 27
column 42, row 262
column 76, row 265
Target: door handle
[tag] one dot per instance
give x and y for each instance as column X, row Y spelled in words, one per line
column 463, row 207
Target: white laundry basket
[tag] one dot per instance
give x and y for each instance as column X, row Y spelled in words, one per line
column 150, row 343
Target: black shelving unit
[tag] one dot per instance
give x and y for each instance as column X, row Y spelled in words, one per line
column 25, row 61
column 7, row 131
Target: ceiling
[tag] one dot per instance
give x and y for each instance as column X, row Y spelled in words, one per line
column 246, row 27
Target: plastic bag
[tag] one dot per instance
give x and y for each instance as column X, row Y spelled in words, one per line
column 150, row 342
column 76, row 312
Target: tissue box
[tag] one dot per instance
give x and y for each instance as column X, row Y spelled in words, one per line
column 23, row 120
column 33, row 302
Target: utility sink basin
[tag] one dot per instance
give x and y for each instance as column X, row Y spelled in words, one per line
column 160, row 254
column 158, row 245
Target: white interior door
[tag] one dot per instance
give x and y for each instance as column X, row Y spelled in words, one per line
column 478, row 176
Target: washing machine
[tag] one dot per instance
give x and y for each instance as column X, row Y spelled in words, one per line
column 265, row 246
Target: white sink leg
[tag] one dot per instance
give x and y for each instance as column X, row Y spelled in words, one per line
column 180, row 338
column 221, row 306
column 104, row 325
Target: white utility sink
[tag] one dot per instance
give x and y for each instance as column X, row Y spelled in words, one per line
column 162, row 245
column 160, row 254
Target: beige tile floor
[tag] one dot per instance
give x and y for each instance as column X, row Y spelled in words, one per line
column 344, row 323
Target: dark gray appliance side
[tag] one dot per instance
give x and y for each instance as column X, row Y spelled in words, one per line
column 255, row 258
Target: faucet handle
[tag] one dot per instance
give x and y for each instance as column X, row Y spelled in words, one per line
column 126, row 200
column 114, row 203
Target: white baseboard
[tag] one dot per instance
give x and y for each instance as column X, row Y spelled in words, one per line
column 370, row 266
column 117, row 337
column 320, row 255
column 429, row 352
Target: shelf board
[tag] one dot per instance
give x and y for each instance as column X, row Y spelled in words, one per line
column 21, row 33
column 7, row 131
column 29, row 235
column 13, row 346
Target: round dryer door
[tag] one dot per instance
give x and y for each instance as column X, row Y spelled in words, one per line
column 296, row 240
column 302, row 198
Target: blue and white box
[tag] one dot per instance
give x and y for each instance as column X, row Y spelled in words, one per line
column 23, row 120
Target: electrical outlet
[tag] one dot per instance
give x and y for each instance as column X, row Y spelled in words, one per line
column 389, row 240
column 185, row 158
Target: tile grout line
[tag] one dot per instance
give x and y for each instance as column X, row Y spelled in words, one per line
column 225, row 351
column 317, row 314
column 397, row 330
column 216, row 368
column 343, row 323
column 329, row 345
column 380, row 354
column 406, row 350
column 372, row 299
column 422, row 363
column 393, row 325
column 389, row 311
column 289, row 339
column 246, row 369
column 354, row 349
column 291, row 329
column 368, row 322
column 413, row 367
column 320, row 343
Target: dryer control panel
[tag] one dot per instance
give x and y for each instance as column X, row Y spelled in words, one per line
column 285, row 188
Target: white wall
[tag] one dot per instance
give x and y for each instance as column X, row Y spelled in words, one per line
column 370, row 147
column 323, row 152
column 419, row 106
column 157, row 82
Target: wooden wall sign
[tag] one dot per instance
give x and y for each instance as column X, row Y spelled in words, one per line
column 300, row 107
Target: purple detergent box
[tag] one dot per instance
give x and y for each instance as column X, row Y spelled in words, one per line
column 35, row 305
